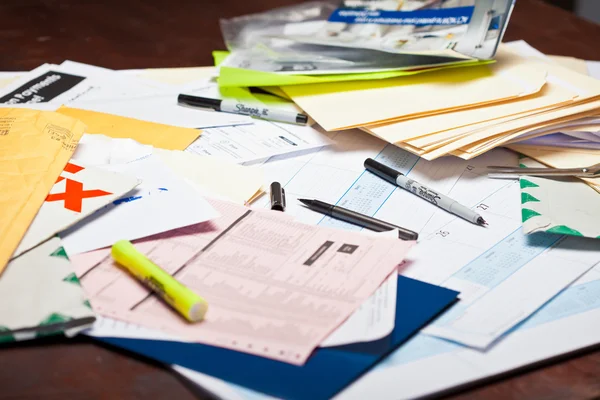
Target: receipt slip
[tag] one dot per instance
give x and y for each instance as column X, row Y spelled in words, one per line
column 344, row 105
column 276, row 287
column 35, row 146
column 158, row 135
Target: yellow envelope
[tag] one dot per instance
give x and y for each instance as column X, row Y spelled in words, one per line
column 157, row 135
column 344, row 105
column 35, row 146
column 563, row 158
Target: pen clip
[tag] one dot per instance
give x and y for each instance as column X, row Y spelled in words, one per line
column 277, row 197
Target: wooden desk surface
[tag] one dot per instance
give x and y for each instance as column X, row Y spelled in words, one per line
column 176, row 33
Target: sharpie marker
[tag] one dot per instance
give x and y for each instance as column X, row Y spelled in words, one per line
column 432, row 196
column 236, row 107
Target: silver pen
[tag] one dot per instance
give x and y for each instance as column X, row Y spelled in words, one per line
column 432, row 196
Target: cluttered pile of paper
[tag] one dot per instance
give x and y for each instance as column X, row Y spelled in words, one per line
column 213, row 218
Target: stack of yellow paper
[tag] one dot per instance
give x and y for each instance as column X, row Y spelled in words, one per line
column 462, row 112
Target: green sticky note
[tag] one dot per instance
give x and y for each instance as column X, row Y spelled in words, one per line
column 235, row 77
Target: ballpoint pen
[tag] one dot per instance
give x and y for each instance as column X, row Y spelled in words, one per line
column 355, row 218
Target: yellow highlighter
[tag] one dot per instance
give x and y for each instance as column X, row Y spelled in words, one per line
column 181, row 298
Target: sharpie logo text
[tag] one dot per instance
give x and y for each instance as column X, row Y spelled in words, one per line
column 244, row 109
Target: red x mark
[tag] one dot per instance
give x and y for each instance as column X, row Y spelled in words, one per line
column 72, row 168
column 74, row 194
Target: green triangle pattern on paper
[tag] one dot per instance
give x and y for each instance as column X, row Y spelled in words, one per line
column 525, row 183
column 87, row 304
column 564, row 230
column 522, row 165
column 60, row 252
column 521, row 156
column 52, row 319
column 526, row 214
column 55, row 318
column 6, row 337
column 526, row 198
column 72, row 278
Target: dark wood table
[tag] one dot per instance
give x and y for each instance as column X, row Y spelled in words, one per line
column 152, row 33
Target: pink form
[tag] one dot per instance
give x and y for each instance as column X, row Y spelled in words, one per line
column 275, row 287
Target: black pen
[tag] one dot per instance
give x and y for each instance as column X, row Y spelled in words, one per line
column 355, row 218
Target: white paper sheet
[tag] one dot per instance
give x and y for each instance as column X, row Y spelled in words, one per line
column 162, row 202
column 564, row 205
column 373, row 320
column 593, row 69
column 246, row 143
column 99, row 89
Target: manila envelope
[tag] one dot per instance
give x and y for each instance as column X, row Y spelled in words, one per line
column 78, row 192
column 157, row 135
column 35, row 146
column 564, row 87
column 345, row 105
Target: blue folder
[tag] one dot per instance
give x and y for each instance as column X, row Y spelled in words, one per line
column 326, row 372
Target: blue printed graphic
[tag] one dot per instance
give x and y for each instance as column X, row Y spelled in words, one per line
column 505, row 258
column 573, row 300
column 442, row 16
column 126, row 200
column 498, row 263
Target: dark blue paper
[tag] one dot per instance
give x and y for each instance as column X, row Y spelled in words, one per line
column 326, row 372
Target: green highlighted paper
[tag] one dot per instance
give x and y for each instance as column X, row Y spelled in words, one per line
column 235, row 77
column 565, row 206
